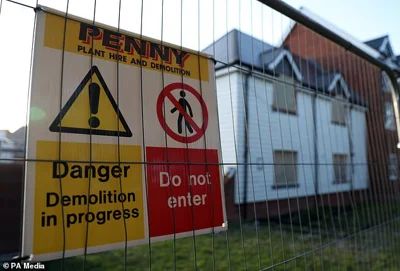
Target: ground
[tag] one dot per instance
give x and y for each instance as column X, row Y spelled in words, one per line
column 339, row 239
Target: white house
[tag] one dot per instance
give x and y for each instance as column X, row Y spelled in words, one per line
column 289, row 128
column 12, row 145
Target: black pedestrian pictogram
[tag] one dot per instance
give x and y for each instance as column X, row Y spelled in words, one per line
column 185, row 105
column 198, row 129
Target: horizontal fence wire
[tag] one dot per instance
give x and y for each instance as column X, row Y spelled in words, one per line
column 305, row 130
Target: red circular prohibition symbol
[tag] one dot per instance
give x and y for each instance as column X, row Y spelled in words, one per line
column 166, row 93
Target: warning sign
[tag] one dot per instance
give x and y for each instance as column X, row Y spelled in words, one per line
column 108, row 109
column 185, row 123
column 106, row 196
column 91, row 110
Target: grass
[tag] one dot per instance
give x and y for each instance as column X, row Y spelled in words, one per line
column 362, row 243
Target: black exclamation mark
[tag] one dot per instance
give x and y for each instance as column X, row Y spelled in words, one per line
column 94, row 95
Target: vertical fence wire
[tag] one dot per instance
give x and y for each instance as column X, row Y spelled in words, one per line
column 264, row 180
column 313, row 176
column 85, row 254
column 166, row 144
column 316, row 125
column 244, row 82
column 142, row 105
column 59, row 132
column 118, row 135
column 218, row 101
column 237, row 191
column 298, row 112
column 209, row 187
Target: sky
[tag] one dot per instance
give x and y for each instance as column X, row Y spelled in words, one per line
column 194, row 24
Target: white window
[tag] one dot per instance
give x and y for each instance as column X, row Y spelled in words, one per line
column 338, row 112
column 285, row 95
column 393, row 167
column 340, row 168
column 390, row 122
column 285, row 165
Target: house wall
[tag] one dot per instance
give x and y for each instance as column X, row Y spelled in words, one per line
column 359, row 140
column 332, row 139
column 231, row 123
column 365, row 79
column 270, row 130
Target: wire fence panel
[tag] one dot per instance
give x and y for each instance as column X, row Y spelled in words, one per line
column 274, row 135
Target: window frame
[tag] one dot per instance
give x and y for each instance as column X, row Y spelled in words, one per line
column 341, row 101
column 393, row 165
column 285, row 80
column 334, row 164
column 294, row 166
column 385, row 84
column 393, row 118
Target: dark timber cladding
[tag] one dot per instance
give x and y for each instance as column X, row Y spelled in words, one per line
column 120, row 42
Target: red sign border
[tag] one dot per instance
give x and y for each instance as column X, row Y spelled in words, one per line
column 160, row 114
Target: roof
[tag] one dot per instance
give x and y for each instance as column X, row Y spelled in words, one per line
column 239, row 48
column 18, row 135
column 382, row 44
column 376, row 43
column 236, row 47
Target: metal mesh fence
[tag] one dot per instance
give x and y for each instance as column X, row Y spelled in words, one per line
column 307, row 138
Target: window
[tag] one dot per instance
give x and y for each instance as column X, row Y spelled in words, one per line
column 385, row 83
column 338, row 112
column 340, row 168
column 393, row 167
column 285, row 165
column 390, row 122
column 285, row 95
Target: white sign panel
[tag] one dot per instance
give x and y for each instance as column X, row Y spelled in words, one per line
column 123, row 141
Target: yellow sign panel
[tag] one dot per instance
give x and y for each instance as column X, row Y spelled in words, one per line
column 104, row 196
column 103, row 43
column 91, row 110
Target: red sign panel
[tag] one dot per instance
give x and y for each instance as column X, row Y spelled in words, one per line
column 183, row 197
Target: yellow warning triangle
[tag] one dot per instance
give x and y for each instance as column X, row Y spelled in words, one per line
column 91, row 110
